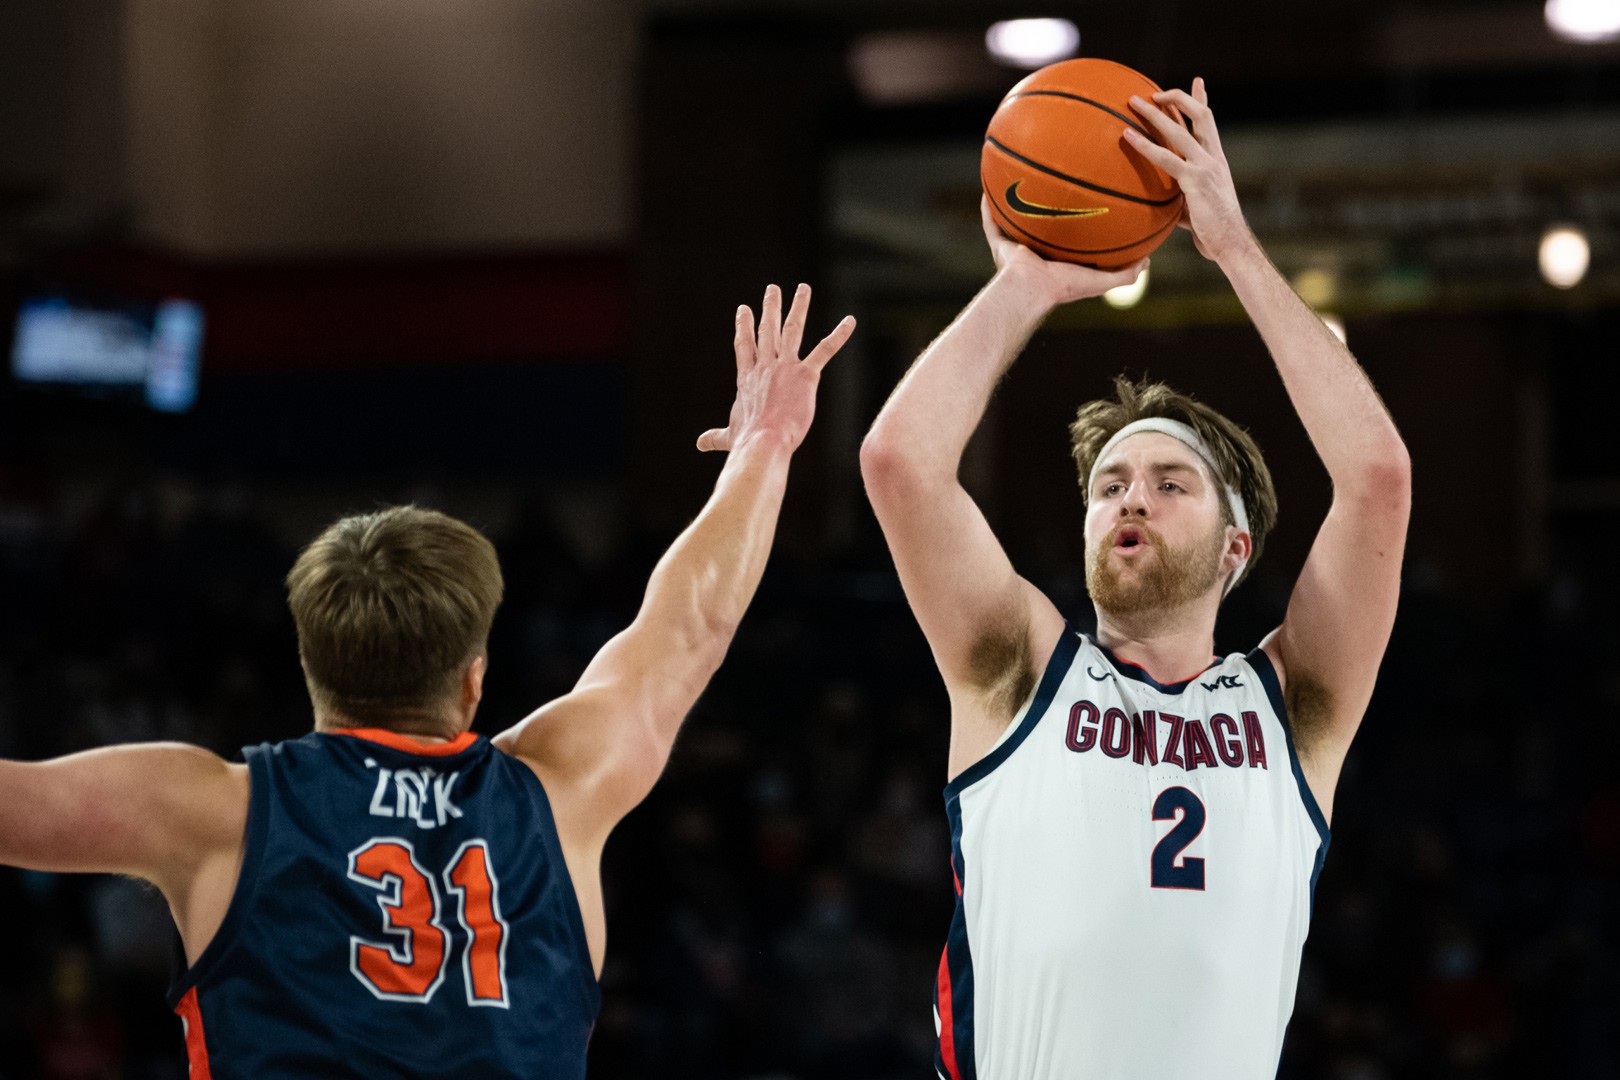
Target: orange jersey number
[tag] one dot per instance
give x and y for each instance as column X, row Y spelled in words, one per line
column 412, row 965
column 484, row 964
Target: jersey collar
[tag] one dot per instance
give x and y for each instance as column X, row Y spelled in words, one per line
column 1138, row 673
column 395, row 741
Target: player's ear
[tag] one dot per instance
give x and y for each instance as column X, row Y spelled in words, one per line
column 1239, row 546
column 472, row 682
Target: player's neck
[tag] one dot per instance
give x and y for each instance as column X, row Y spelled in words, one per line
column 423, row 728
column 1171, row 649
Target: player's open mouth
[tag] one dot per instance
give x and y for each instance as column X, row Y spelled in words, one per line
column 1129, row 540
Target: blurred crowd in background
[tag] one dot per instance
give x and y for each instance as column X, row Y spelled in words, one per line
column 778, row 905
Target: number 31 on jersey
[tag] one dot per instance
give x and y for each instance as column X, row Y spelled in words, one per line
column 412, row 966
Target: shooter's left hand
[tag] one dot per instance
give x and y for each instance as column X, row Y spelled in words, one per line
column 1196, row 161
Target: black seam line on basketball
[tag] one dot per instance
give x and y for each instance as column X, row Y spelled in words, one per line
column 1016, row 156
column 1075, row 251
column 1097, row 104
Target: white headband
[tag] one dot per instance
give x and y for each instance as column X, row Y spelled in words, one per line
column 1185, row 435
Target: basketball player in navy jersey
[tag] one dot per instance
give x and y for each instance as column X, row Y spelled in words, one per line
column 393, row 896
column 1137, row 825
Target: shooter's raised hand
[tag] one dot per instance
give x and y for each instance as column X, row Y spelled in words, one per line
column 1059, row 282
column 1196, row 161
column 776, row 391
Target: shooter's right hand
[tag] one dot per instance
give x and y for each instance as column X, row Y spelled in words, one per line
column 1056, row 282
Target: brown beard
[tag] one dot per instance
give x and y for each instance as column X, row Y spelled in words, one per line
column 1171, row 578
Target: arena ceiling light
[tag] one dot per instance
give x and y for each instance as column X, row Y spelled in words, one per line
column 1584, row 20
column 1032, row 43
column 1565, row 255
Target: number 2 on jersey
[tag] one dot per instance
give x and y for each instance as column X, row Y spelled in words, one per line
column 1189, row 873
column 412, row 967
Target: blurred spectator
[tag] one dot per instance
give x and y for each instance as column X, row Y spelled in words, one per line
column 75, row 1036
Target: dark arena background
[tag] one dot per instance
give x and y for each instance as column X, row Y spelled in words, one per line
column 484, row 255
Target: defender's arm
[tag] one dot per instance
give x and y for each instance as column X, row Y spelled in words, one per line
column 987, row 627
column 156, row 811
column 1342, row 610
column 601, row 747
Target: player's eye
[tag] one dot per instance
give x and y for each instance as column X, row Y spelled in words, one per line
column 1171, row 485
column 1113, row 489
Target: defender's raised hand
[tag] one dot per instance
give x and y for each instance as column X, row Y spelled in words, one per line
column 776, row 391
column 1197, row 162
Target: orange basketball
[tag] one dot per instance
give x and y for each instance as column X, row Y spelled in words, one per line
column 1059, row 177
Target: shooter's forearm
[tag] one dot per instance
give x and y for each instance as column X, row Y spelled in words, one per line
column 1344, row 416
column 932, row 414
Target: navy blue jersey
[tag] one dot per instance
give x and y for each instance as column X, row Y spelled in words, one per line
column 403, row 910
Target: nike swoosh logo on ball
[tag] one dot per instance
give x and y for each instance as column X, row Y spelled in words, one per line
column 1030, row 209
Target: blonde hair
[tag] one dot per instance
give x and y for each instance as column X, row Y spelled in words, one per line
column 390, row 608
column 1237, row 457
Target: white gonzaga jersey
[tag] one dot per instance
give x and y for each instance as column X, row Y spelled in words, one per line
column 1134, row 868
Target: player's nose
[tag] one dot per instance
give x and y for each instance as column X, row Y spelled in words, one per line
column 1135, row 501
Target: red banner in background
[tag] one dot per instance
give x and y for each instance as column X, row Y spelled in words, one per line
column 373, row 312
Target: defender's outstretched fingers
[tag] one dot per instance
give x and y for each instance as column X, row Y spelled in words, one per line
column 770, row 322
column 793, row 327
column 830, row 344
column 743, row 339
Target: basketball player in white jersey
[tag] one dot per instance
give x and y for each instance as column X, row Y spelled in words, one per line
column 1137, row 825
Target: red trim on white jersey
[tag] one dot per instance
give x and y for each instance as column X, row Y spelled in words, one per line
column 947, row 1022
